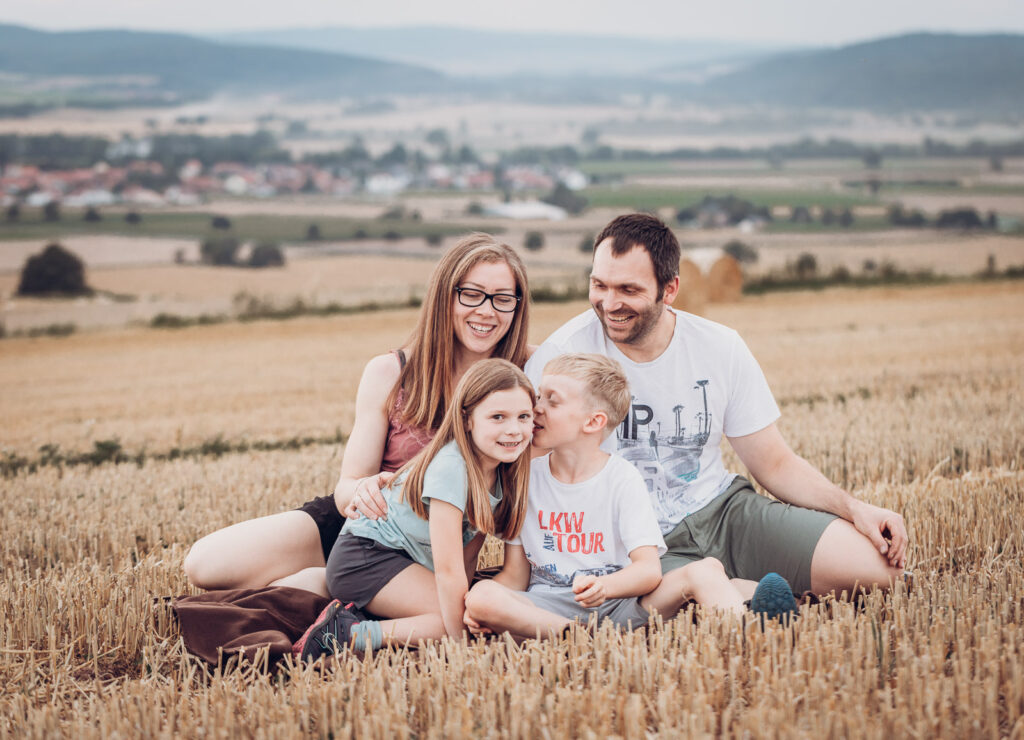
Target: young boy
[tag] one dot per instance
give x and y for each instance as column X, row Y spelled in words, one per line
column 591, row 542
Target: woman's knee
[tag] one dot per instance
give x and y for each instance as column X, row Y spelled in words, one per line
column 197, row 566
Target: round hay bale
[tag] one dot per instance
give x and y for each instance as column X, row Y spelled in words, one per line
column 693, row 288
column 725, row 280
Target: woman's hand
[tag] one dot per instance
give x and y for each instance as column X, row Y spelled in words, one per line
column 368, row 500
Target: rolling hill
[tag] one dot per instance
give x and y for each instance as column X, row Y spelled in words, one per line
column 909, row 72
column 191, row 66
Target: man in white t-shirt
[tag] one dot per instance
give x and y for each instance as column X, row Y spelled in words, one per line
column 694, row 381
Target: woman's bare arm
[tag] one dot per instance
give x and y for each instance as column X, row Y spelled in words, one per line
column 360, row 466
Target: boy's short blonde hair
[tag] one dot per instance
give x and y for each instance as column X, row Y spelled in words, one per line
column 603, row 379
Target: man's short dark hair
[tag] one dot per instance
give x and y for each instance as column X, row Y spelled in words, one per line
column 651, row 233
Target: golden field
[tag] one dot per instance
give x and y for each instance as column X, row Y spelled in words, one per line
column 909, row 396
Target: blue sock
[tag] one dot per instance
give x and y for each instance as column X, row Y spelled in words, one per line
column 366, row 634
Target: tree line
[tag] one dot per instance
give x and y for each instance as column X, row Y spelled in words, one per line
column 59, row 151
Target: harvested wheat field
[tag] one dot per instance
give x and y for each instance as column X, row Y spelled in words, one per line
column 909, row 397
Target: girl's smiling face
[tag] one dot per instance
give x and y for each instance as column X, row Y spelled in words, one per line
column 501, row 427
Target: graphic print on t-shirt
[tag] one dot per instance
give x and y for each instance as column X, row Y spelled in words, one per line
column 566, row 532
column 548, row 574
column 667, row 451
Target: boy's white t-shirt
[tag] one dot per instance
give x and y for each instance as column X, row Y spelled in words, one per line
column 586, row 528
column 706, row 384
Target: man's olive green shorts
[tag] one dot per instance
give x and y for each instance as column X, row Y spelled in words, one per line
column 751, row 535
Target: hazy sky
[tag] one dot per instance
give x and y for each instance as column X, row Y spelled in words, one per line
column 810, row 22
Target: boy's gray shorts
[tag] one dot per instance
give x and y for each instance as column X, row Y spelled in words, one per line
column 752, row 535
column 625, row 613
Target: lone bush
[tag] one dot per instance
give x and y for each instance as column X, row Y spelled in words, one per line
column 899, row 217
column 51, row 211
column 534, row 240
column 313, row 233
column 800, row 215
column 92, row 215
column 806, row 266
column 266, row 254
column 587, row 243
column 434, row 239
column 741, row 251
column 220, row 222
column 563, row 197
column 475, row 208
column 132, row 217
column 53, row 271
column 959, row 218
column 13, row 212
column 219, row 251
column 394, row 213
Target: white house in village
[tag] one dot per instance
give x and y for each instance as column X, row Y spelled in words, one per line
column 526, row 210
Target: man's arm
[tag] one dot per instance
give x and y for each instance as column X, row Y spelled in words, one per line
column 791, row 479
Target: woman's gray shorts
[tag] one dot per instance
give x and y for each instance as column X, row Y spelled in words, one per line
column 625, row 613
column 752, row 535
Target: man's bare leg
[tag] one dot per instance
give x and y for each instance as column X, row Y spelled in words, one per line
column 703, row 581
column 844, row 559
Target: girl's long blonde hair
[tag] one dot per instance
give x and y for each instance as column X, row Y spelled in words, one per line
column 426, row 378
column 481, row 380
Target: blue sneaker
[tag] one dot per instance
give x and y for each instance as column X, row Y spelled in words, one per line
column 328, row 634
column 773, row 598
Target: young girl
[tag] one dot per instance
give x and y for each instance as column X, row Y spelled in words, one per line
column 477, row 306
column 415, row 566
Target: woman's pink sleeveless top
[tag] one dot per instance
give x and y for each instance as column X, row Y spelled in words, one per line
column 403, row 441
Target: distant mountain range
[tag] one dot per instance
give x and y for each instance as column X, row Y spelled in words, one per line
column 914, row 71
column 922, row 71
column 482, row 53
column 191, row 66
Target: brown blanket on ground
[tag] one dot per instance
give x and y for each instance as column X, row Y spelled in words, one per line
column 241, row 621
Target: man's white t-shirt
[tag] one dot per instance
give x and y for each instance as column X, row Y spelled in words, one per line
column 585, row 528
column 705, row 384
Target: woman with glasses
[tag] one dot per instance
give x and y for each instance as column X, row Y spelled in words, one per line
column 476, row 307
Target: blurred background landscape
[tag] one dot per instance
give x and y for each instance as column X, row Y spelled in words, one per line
column 301, row 168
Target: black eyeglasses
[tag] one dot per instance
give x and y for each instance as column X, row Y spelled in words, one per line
column 471, row 297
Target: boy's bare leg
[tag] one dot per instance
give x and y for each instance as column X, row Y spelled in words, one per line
column 501, row 609
column 704, row 581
